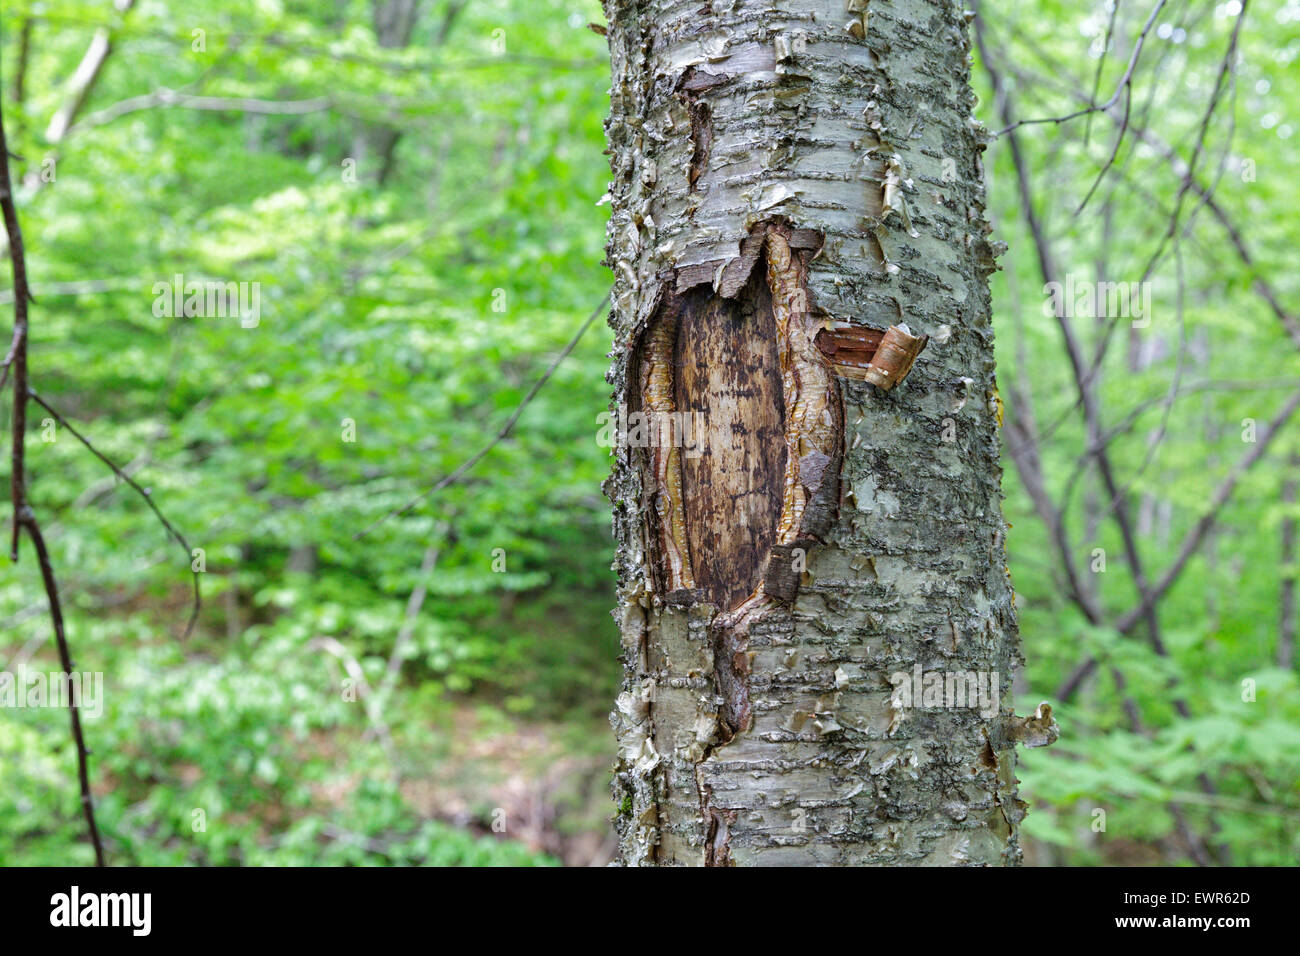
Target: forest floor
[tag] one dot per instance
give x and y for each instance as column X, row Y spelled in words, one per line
column 550, row 779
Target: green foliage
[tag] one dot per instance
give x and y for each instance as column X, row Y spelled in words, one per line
column 1231, row 766
column 412, row 315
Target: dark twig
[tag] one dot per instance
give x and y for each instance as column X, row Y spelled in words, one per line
column 1192, row 541
column 65, row 658
column 1101, row 65
column 1227, row 69
column 144, row 493
column 1123, row 84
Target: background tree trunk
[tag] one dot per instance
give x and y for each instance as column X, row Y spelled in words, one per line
column 787, row 177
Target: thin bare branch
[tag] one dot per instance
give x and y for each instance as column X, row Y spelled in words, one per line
column 24, row 518
column 1123, row 84
column 144, row 493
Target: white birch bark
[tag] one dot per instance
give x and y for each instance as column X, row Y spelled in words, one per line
column 768, row 732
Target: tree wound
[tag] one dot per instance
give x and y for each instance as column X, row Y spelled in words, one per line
column 742, row 362
column 726, row 360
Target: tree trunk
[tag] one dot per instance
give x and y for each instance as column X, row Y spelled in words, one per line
column 394, row 22
column 810, row 548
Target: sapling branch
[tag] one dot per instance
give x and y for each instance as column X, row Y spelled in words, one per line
column 24, row 518
column 144, row 493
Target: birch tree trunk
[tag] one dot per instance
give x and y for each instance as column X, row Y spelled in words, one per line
column 810, row 539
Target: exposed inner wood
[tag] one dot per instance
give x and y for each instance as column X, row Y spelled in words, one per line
column 728, row 374
column 750, row 367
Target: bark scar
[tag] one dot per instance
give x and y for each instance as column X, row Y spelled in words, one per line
column 692, row 84
column 762, row 371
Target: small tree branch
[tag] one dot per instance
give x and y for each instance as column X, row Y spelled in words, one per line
column 1123, row 84
column 84, row 79
column 65, row 658
column 148, row 500
column 23, row 517
column 1192, row 541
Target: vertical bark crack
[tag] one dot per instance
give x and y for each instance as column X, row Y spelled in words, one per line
column 692, row 83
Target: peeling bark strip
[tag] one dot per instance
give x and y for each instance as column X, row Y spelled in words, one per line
column 814, row 417
column 869, row 355
column 657, row 381
column 787, row 235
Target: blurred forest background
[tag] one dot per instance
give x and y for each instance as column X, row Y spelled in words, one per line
column 415, row 187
